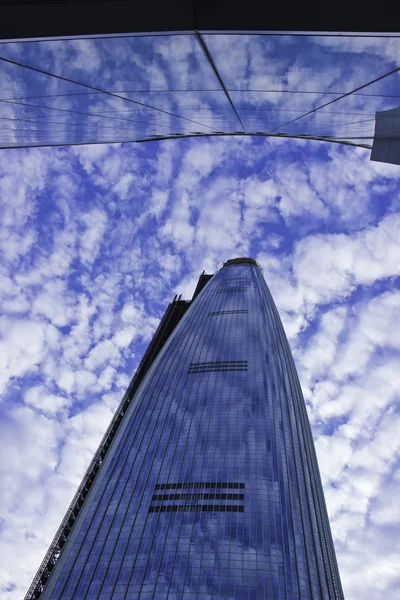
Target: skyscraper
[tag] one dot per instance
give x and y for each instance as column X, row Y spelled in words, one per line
column 207, row 483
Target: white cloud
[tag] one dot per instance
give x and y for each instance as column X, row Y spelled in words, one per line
column 106, row 378
column 334, row 453
column 22, row 348
column 55, row 303
column 103, row 352
column 95, row 223
column 123, row 337
column 386, row 507
column 178, row 226
column 328, row 268
column 376, row 327
column 39, row 398
column 90, row 156
column 123, row 186
column 24, row 497
column 86, row 382
column 159, row 200
column 331, row 266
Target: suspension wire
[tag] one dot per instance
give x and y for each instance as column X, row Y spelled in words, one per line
column 354, row 122
column 68, row 134
column 105, row 114
column 80, row 123
column 311, row 130
column 78, row 112
column 77, row 124
column 94, row 36
column 201, row 41
column 159, row 138
column 102, row 116
column 36, row 121
column 96, row 89
column 337, row 125
column 190, row 90
column 279, row 110
column 318, row 93
column 356, row 137
column 210, row 59
column 103, row 126
column 243, row 32
column 340, row 97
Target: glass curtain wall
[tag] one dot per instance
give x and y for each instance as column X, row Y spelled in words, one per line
column 211, row 488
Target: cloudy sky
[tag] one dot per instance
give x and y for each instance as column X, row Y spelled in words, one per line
column 96, row 240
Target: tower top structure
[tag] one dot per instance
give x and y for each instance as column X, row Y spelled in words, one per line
column 241, row 261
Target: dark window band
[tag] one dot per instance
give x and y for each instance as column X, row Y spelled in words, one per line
column 227, row 312
column 220, row 363
column 235, row 280
column 218, row 366
column 232, row 289
column 197, row 508
column 198, row 496
column 199, row 485
column 216, row 369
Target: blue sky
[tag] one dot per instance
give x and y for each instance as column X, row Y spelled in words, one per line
column 96, row 240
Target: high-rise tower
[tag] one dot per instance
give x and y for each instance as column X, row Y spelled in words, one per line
column 210, row 487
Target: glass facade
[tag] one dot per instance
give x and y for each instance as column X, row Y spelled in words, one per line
column 137, row 88
column 211, row 488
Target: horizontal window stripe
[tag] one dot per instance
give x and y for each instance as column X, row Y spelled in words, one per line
column 197, row 508
column 235, row 280
column 220, row 363
column 227, row 312
column 200, row 484
column 232, row 289
column 218, row 366
column 216, row 370
column 198, row 496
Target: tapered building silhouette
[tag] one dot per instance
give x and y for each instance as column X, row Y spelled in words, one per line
column 206, row 485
